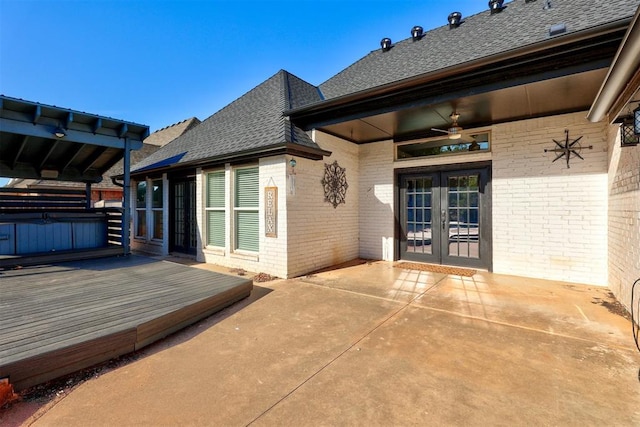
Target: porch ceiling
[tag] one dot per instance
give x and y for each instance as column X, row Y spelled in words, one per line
column 541, row 98
column 87, row 146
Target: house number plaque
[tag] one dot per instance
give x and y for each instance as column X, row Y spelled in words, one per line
column 271, row 211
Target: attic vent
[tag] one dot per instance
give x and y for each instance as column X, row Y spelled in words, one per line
column 496, row 6
column 416, row 33
column 385, row 43
column 554, row 30
column 454, row 19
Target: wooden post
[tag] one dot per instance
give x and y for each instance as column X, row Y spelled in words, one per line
column 87, row 195
column 126, row 190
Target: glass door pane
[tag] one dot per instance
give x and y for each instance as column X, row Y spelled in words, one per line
column 463, row 216
column 419, row 215
column 178, row 215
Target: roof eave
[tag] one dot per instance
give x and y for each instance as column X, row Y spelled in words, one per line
column 616, row 92
column 288, row 148
column 461, row 68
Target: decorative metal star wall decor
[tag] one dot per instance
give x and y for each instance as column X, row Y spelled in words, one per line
column 334, row 183
column 569, row 149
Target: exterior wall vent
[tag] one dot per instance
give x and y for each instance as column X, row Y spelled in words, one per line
column 454, row 18
column 556, row 29
column 496, row 6
column 385, row 43
column 416, row 33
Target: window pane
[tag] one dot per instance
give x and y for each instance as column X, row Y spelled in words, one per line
column 247, row 231
column 142, row 223
column 215, row 190
column 444, row 146
column 247, row 188
column 157, row 194
column 157, row 224
column 141, row 194
column 215, row 228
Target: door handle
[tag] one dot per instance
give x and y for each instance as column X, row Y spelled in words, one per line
column 444, row 219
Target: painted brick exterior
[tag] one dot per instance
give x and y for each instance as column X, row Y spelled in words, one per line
column 578, row 224
column 377, row 201
column 624, row 218
column 320, row 235
column 550, row 221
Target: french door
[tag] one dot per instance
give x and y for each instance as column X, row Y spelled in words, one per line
column 183, row 222
column 445, row 217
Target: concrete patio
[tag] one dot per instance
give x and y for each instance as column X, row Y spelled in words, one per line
column 373, row 344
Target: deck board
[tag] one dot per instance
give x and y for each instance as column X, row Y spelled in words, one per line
column 59, row 318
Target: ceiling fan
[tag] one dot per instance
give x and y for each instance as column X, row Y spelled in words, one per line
column 454, row 130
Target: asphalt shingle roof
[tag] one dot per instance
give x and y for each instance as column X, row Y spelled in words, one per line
column 169, row 133
column 520, row 24
column 251, row 122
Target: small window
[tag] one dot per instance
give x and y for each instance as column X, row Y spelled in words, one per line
column 156, row 207
column 436, row 147
column 215, row 209
column 141, row 212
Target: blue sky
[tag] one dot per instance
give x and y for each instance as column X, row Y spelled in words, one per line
column 157, row 62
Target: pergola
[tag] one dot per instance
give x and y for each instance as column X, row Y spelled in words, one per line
column 39, row 141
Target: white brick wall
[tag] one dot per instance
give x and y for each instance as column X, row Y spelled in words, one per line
column 377, row 201
column 319, row 235
column 549, row 221
column 624, row 217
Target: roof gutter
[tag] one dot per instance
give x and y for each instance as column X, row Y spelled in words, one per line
column 286, row 148
column 614, row 93
column 460, row 68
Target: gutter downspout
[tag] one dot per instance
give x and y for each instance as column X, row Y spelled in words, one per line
column 625, row 64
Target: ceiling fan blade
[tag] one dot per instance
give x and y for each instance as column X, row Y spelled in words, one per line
column 440, row 130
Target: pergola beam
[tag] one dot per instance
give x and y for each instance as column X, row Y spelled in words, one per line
column 46, row 157
column 97, row 125
column 20, row 149
column 93, row 158
column 37, row 114
column 47, row 131
column 68, row 120
column 73, row 157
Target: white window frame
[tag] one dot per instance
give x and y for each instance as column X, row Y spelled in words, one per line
column 237, row 209
column 137, row 210
column 153, row 209
column 208, row 208
column 149, row 210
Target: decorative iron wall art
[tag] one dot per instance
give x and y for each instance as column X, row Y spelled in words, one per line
column 568, row 149
column 334, row 183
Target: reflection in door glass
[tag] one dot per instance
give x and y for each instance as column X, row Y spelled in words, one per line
column 463, row 222
column 178, row 217
column 419, row 211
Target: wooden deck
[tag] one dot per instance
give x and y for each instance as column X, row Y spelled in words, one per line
column 60, row 318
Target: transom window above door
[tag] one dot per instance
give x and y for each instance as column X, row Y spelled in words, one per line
column 474, row 142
